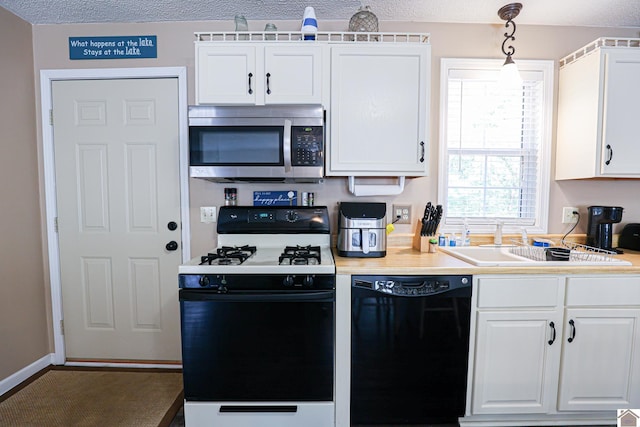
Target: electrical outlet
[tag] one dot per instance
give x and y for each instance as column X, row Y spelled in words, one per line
column 402, row 213
column 568, row 216
column 207, row 214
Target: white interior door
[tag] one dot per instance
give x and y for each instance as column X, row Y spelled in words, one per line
column 118, row 198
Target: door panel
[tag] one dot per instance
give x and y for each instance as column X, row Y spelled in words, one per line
column 514, row 362
column 117, row 180
column 600, row 365
column 621, row 127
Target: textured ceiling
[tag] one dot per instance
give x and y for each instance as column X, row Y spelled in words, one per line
column 601, row 13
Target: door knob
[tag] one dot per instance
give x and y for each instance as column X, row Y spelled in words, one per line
column 172, row 225
column 172, row 245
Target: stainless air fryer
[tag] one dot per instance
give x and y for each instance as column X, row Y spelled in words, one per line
column 362, row 229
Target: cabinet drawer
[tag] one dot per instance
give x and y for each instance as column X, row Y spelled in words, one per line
column 521, row 291
column 603, row 290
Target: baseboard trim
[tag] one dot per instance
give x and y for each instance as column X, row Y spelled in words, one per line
column 123, row 365
column 24, row 373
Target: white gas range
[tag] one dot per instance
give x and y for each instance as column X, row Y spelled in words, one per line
column 257, row 320
column 265, row 254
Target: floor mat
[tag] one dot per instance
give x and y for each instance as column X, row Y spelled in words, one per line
column 95, row 397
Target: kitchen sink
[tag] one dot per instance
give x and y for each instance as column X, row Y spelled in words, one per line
column 502, row 256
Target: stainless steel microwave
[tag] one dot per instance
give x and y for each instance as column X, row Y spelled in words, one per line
column 262, row 143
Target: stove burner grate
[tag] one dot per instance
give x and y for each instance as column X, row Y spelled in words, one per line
column 300, row 255
column 228, row 255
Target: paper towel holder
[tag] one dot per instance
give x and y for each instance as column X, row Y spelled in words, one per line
column 376, row 189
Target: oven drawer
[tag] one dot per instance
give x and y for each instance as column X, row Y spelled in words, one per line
column 305, row 414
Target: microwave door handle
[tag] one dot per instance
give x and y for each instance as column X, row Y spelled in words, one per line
column 287, row 146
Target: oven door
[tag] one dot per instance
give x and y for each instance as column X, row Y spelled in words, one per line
column 258, row 347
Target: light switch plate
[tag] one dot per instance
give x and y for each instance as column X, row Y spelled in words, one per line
column 207, row 214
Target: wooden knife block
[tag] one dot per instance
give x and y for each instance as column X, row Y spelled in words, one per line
column 420, row 243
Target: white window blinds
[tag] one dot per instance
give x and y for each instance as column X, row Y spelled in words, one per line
column 494, row 143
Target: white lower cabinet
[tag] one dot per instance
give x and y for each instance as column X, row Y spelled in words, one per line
column 513, row 362
column 600, row 367
column 517, row 343
column 553, row 350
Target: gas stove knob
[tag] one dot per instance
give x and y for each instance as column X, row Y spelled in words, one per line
column 292, row 216
column 204, row 281
column 307, row 281
column 288, row 281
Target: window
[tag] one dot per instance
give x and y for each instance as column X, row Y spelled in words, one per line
column 494, row 146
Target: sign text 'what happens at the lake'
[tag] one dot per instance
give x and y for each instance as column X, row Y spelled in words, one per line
column 113, row 47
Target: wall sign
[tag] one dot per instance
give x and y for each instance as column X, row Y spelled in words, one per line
column 113, row 47
column 275, row 198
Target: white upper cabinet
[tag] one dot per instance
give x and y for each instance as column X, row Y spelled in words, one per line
column 379, row 110
column 375, row 90
column 598, row 124
column 246, row 73
column 293, row 74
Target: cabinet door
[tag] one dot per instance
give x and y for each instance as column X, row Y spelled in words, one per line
column 621, row 134
column 379, row 111
column 515, row 363
column 292, row 75
column 601, row 365
column 226, row 74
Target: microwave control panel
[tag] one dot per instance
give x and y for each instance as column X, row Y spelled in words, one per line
column 307, row 145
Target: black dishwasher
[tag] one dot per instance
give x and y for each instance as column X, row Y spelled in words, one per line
column 409, row 349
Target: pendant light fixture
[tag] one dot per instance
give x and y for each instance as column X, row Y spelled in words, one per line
column 509, row 74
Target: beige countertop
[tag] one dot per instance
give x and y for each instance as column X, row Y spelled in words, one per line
column 406, row 260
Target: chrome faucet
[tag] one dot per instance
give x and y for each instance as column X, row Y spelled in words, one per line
column 497, row 236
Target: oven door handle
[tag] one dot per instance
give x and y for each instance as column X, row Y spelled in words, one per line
column 258, row 408
column 314, row 296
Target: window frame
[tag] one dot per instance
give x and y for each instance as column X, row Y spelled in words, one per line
column 488, row 224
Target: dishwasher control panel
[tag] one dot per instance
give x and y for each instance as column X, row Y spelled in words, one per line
column 412, row 285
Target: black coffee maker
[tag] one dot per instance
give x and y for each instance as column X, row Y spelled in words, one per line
column 600, row 225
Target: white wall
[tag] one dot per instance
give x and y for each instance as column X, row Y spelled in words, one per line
column 175, row 48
